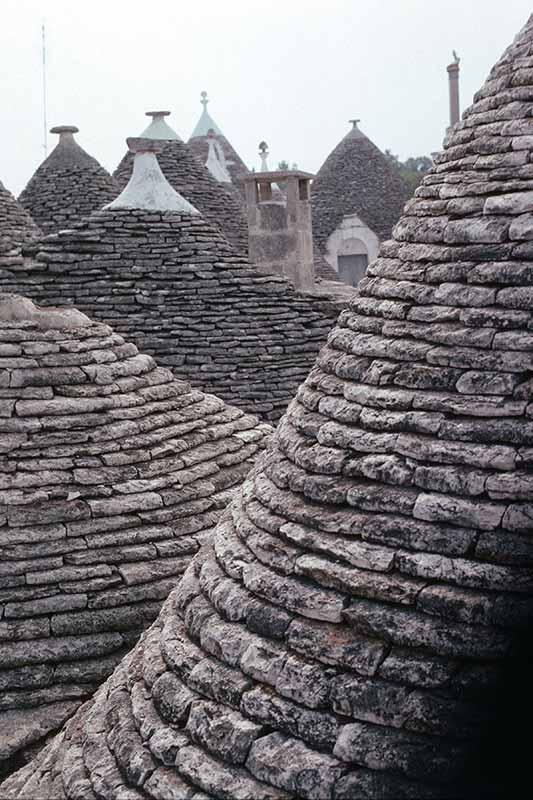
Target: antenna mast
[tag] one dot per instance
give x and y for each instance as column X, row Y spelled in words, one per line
column 45, row 126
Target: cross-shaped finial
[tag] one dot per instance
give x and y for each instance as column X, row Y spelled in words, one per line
column 354, row 122
column 204, row 101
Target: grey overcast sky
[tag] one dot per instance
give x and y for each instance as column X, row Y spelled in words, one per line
column 292, row 72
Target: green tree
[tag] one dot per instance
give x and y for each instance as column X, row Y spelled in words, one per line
column 412, row 169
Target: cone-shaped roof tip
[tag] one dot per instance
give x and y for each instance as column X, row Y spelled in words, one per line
column 64, row 129
column 206, row 122
column 159, row 127
column 148, row 188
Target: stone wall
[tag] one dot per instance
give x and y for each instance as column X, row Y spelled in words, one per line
column 173, row 285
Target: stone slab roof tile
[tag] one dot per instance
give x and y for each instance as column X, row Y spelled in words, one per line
column 171, row 283
column 17, row 229
column 351, row 623
column 190, row 178
column 356, row 178
column 112, row 473
column 68, row 186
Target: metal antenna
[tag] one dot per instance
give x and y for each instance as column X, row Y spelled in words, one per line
column 45, row 125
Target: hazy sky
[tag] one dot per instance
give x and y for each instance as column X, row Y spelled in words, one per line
column 292, row 72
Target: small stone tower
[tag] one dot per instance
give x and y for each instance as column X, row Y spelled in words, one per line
column 280, row 237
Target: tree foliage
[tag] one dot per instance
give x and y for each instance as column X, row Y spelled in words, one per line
column 412, row 169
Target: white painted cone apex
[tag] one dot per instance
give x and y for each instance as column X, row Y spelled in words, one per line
column 159, row 128
column 216, row 162
column 149, row 189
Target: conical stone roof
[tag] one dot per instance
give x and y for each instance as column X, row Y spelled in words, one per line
column 68, row 186
column 191, row 179
column 356, row 178
column 199, row 143
column 17, row 229
column 343, row 635
column 156, row 270
column 112, row 473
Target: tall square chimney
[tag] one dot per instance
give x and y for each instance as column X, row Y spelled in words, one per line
column 453, row 87
column 280, row 233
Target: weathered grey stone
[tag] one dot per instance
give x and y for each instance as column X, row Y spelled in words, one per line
column 252, row 347
column 362, row 602
column 68, row 186
column 85, row 564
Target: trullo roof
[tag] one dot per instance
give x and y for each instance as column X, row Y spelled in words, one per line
column 190, row 178
column 112, row 473
column 68, row 186
column 200, row 138
column 343, row 634
column 17, row 229
column 356, row 178
column 160, row 273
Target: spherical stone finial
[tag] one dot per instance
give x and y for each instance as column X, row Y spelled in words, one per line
column 157, row 114
column 204, row 101
column 64, row 129
column 263, row 152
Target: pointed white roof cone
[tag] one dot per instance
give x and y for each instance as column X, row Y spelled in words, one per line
column 148, row 188
column 216, row 160
column 206, row 122
column 159, row 128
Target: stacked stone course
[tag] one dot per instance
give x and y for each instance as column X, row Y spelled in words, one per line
column 17, row 229
column 344, row 634
column 173, row 285
column 356, row 178
column 112, row 475
column 68, row 186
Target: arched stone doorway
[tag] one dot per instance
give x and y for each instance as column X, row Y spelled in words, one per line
column 350, row 248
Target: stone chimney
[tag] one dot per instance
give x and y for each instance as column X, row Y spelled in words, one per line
column 279, row 230
column 453, row 85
